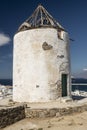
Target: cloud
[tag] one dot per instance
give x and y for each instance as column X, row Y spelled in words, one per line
column 85, row 69
column 4, row 39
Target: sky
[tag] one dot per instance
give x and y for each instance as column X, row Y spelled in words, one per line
column 71, row 14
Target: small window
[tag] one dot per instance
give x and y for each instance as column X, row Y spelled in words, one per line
column 60, row 34
column 37, row 86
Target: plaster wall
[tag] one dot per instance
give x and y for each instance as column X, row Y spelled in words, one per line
column 40, row 58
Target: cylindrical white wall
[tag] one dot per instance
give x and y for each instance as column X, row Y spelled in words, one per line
column 40, row 58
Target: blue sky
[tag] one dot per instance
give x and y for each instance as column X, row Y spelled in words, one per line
column 71, row 14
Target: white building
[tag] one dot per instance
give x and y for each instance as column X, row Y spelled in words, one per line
column 41, row 63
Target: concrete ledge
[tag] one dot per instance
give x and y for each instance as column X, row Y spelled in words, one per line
column 54, row 112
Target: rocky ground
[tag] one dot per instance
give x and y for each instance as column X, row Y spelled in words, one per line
column 77, row 121
column 72, row 122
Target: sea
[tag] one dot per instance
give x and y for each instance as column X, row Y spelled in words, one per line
column 6, row 82
column 74, row 87
column 78, row 85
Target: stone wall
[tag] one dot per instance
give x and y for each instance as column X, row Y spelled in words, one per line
column 54, row 112
column 11, row 115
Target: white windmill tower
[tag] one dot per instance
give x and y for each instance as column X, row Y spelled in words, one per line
column 41, row 63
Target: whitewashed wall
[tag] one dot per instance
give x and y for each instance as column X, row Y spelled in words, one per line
column 36, row 72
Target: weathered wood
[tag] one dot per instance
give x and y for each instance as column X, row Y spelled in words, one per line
column 40, row 18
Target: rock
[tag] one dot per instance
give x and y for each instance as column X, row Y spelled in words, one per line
column 80, row 123
column 52, row 113
column 42, row 115
column 49, row 126
column 60, row 118
column 40, row 129
column 10, row 100
column 31, row 129
column 58, row 114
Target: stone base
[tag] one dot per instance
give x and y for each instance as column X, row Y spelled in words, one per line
column 62, row 107
column 11, row 115
column 53, row 112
